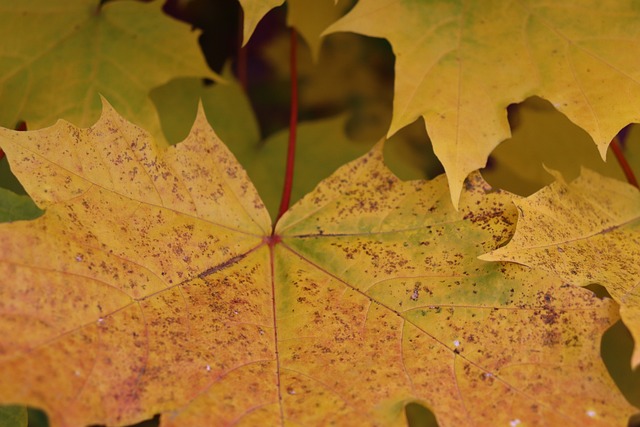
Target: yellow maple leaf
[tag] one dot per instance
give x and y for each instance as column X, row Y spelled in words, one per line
column 153, row 283
column 585, row 232
column 460, row 64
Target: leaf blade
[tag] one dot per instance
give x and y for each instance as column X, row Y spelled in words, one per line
column 87, row 53
column 128, row 307
column 459, row 65
column 599, row 218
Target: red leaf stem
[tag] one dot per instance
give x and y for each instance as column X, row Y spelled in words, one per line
column 628, row 172
column 293, row 120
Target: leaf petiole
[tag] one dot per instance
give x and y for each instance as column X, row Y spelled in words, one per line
column 626, row 168
column 293, row 120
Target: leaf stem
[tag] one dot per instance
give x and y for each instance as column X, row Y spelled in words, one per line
column 293, row 121
column 628, row 172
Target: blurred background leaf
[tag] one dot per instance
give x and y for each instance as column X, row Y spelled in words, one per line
column 541, row 135
column 13, row 416
column 14, row 207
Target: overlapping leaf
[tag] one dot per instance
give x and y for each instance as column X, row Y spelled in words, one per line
column 153, row 284
column 322, row 145
column 103, row 267
column 460, row 64
column 544, row 138
column 585, row 232
column 57, row 57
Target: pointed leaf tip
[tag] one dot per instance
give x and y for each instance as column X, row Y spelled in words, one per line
column 459, row 65
column 201, row 118
column 159, row 288
column 254, row 11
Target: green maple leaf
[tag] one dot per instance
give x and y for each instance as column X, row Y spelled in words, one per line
column 460, row 64
column 153, row 283
column 16, row 207
column 57, row 57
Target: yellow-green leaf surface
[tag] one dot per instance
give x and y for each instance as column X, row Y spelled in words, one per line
column 460, row 64
column 322, row 145
column 585, row 232
column 153, row 284
column 254, row 11
column 57, row 57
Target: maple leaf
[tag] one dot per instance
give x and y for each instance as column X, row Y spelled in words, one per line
column 585, row 232
column 228, row 109
column 322, row 145
column 154, row 284
column 121, row 47
column 460, row 64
